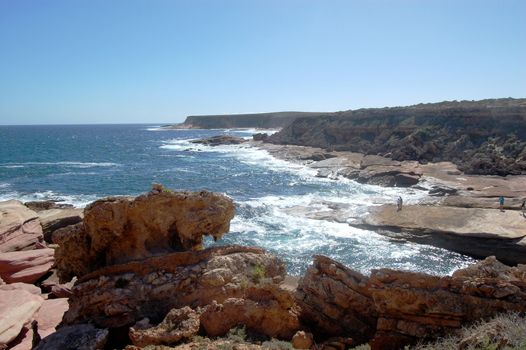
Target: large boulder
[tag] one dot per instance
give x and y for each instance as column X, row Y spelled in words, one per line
column 17, row 307
column 335, row 301
column 44, row 322
column 119, row 230
column 53, row 219
column 177, row 325
column 263, row 308
column 240, row 278
column 395, row 308
column 25, row 266
column 19, row 227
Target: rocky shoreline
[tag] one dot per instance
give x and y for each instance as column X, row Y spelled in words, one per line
column 133, row 274
column 462, row 211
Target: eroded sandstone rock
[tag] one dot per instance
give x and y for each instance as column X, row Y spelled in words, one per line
column 121, row 295
column 19, row 227
column 406, row 306
column 25, row 266
column 336, row 301
column 17, row 307
column 53, row 219
column 263, row 308
column 119, row 230
column 178, row 324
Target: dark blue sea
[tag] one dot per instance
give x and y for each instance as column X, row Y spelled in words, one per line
column 275, row 199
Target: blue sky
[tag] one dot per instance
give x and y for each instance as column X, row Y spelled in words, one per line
column 129, row 61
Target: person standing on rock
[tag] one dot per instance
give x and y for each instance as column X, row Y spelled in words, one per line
column 501, row 203
column 399, row 203
column 523, row 207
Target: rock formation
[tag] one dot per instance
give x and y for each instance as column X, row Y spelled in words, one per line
column 177, row 325
column 336, row 301
column 19, row 227
column 472, row 231
column 119, row 230
column 25, row 266
column 53, row 219
column 255, row 120
column 220, row 140
column 394, row 308
column 17, row 307
column 121, row 295
column 482, row 137
column 142, row 258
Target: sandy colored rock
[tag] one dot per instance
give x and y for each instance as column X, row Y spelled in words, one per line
column 19, row 227
column 262, row 308
column 25, row 266
column 119, row 230
column 178, row 324
column 302, row 340
column 123, row 294
column 81, row 337
column 53, row 219
column 17, row 308
column 472, row 231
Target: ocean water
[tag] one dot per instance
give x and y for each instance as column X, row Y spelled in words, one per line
column 275, row 199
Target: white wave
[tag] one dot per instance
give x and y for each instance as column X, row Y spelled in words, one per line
column 11, row 166
column 64, row 163
column 79, row 200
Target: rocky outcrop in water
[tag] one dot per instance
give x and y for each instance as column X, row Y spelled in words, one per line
column 220, row 140
column 482, row 137
column 119, row 230
column 393, row 308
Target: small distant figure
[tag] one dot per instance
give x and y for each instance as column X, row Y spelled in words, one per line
column 523, row 207
column 501, row 203
column 399, row 203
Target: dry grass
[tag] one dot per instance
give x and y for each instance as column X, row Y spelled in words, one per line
column 502, row 332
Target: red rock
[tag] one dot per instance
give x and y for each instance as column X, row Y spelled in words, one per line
column 302, row 340
column 17, row 308
column 25, row 266
column 21, row 286
column 396, row 308
column 19, row 227
column 48, row 317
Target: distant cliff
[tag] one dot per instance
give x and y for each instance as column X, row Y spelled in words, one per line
column 482, row 137
column 256, row 120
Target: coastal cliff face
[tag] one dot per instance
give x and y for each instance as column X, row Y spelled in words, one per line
column 256, row 120
column 481, row 137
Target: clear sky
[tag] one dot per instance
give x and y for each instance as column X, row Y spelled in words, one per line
column 157, row 61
